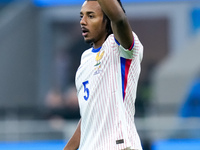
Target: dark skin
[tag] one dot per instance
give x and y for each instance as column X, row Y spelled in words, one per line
column 94, row 28
column 92, row 24
column 74, row 142
column 94, row 32
column 120, row 25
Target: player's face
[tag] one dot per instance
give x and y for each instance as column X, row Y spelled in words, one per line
column 92, row 24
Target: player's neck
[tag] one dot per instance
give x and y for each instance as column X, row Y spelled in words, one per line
column 96, row 46
column 99, row 43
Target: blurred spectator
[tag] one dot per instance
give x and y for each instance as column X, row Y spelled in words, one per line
column 54, row 99
column 70, row 98
column 191, row 107
column 62, row 105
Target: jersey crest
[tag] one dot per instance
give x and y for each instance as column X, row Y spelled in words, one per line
column 98, row 58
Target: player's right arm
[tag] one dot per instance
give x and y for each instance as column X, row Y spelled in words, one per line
column 74, row 142
column 119, row 22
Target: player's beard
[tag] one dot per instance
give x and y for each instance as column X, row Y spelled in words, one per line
column 89, row 41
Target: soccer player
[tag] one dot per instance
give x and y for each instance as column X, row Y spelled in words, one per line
column 106, row 79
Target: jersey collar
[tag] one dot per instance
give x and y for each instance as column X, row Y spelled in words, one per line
column 96, row 50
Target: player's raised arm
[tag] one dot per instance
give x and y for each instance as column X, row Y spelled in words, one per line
column 120, row 25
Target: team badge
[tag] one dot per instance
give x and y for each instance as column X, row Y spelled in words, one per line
column 99, row 56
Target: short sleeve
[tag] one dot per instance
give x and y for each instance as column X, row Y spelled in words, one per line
column 136, row 51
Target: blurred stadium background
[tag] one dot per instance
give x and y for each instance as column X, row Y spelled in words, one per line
column 40, row 48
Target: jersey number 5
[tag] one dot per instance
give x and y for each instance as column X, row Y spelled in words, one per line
column 86, row 90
